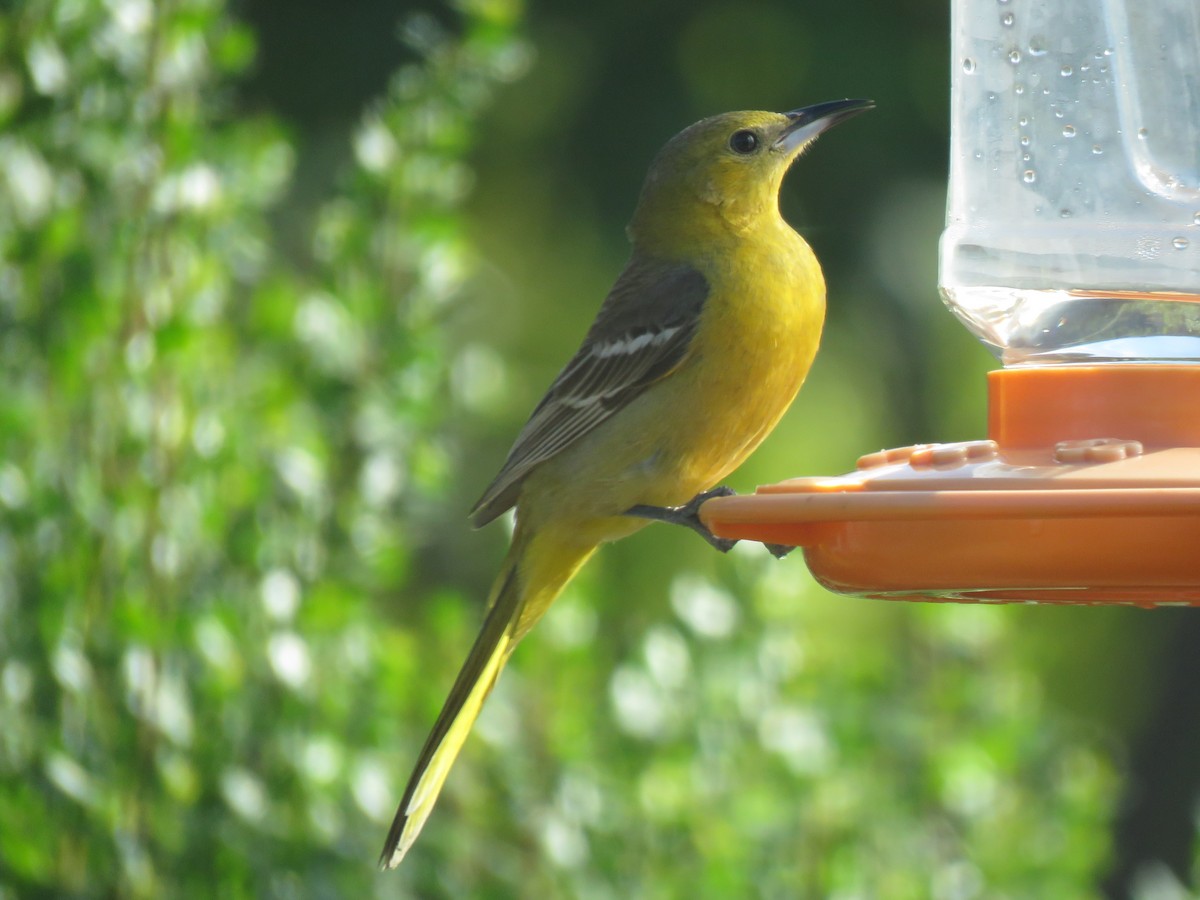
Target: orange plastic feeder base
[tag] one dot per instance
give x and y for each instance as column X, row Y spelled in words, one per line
column 1087, row 491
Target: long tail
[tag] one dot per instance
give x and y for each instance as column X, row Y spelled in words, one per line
column 520, row 595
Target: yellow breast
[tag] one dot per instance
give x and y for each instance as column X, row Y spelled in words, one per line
column 762, row 327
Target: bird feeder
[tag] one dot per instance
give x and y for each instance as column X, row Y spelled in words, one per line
column 1072, row 250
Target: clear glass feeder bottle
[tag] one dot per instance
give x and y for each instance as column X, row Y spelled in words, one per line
column 1073, row 220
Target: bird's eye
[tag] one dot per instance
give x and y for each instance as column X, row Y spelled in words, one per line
column 743, row 142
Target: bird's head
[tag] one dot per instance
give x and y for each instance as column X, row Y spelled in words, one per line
column 724, row 172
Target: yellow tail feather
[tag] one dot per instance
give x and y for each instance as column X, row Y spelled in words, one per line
column 474, row 683
column 533, row 574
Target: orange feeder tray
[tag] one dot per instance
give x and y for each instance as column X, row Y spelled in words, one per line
column 1087, row 491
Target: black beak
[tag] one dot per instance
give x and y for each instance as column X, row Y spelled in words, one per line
column 808, row 122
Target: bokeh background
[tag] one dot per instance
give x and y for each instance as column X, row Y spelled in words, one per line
column 279, row 281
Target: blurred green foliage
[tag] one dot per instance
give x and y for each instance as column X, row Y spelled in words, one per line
column 240, row 426
column 212, row 457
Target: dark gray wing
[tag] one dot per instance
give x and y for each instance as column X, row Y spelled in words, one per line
column 641, row 333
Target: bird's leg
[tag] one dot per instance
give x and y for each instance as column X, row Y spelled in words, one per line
column 688, row 516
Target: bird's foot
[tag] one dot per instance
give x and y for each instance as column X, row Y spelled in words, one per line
column 688, row 516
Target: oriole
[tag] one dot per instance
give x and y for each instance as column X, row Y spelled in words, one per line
column 694, row 356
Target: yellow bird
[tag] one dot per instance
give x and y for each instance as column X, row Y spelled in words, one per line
column 696, row 353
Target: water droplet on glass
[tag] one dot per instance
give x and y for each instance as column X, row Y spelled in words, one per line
column 1066, row 71
column 979, row 154
column 1142, row 134
column 1196, row 219
column 1018, row 89
column 1037, row 47
column 1006, row 20
column 1024, row 140
column 1064, row 214
column 1108, row 51
column 969, row 65
column 1024, row 120
column 1029, row 176
column 1014, row 56
column 1069, row 131
column 1180, row 243
column 1025, row 157
column 1058, row 114
column 1097, row 149
column 991, row 96
column 1083, row 67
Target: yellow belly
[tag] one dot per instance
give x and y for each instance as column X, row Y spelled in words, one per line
column 762, row 323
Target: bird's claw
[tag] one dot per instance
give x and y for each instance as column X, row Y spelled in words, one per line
column 688, row 516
